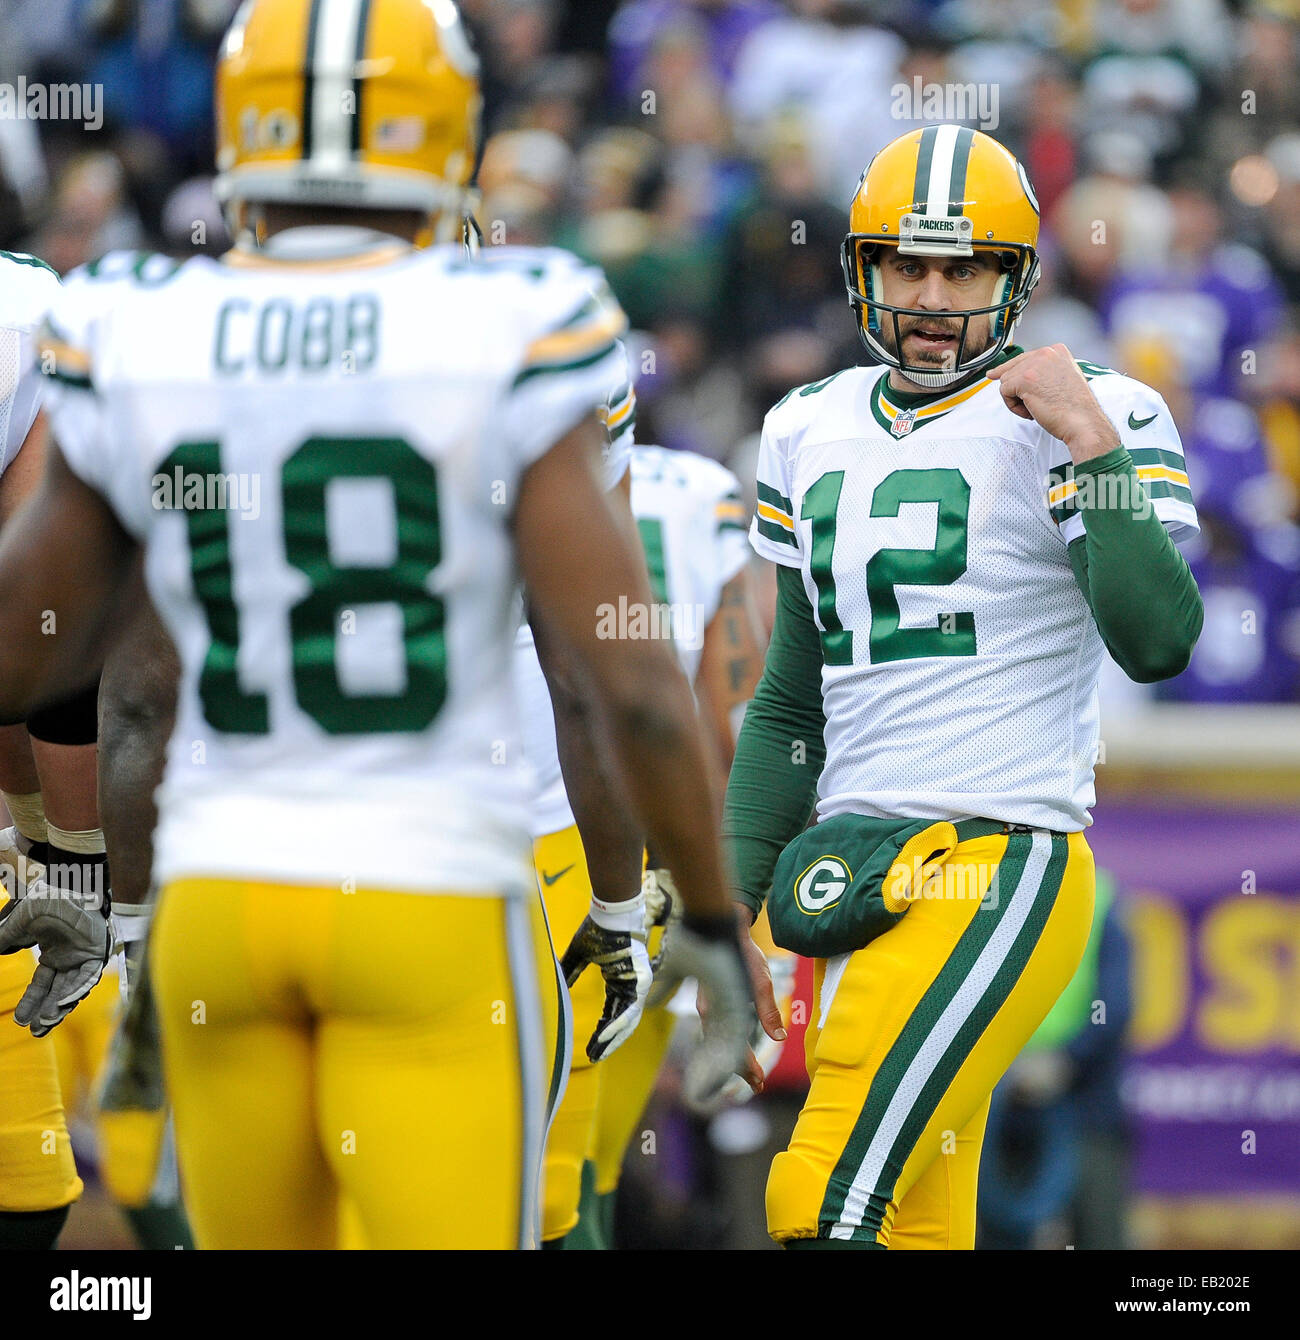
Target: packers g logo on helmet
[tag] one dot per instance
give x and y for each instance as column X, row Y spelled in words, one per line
column 942, row 191
column 364, row 103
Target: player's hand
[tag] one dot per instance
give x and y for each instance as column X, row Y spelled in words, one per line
column 769, row 1012
column 613, row 937
column 764, row 1048
column 133, row 1080
column 16, row 864
column 710, row 950
column 75, row 943
column 663, row 907
column 1046, row 385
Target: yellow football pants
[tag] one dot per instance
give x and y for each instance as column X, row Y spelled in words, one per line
column 387, row 1048
column 625, row 1086
column 910, row 1034
column 37, row 1171
column 566, row 889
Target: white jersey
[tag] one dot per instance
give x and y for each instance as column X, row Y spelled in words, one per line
column 692, row 522
column 28, row 288
column 960, row 657
column 692, row 525
column 344, row 613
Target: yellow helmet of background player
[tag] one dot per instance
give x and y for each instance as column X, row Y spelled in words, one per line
column 942, row 191
column 366, row 103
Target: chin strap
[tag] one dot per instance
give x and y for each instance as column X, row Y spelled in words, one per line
column 938, row 381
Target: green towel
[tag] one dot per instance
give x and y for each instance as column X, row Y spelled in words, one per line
column 843, row 882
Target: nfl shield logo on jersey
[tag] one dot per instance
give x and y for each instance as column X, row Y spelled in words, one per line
column 903, row 422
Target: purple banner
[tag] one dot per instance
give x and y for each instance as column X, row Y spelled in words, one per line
column 1213, row 1087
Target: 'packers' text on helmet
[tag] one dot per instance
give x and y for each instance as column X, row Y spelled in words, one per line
column 941, row 191
column 366, row 103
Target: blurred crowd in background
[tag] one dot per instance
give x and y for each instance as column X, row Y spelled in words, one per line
column 704, row 153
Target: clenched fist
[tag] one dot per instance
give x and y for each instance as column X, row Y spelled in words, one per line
column 1046, row 385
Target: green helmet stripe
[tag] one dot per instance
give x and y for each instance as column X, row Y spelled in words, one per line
column 957, row 180
column 921, row 187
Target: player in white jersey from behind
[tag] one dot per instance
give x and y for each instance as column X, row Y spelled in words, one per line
column 37, row 1183
column 338, row 452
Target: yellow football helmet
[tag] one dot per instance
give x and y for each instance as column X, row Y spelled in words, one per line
column 941, row 191
column 366, row 103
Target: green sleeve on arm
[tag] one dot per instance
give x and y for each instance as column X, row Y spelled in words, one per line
column 773, row 782
column 1139, row 587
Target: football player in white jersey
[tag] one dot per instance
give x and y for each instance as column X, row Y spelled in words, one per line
column 36, row 1188
column 960, row 530
column 48, row 773
column 338, row 451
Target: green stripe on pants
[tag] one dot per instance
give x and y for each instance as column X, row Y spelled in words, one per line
column 944, row 1027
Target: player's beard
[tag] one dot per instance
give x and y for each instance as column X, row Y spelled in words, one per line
column 939, row 357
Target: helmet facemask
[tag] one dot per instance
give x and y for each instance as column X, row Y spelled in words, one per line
column 859, row 258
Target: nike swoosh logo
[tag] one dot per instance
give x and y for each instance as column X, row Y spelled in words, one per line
column 1139, row 423
column 548, row 880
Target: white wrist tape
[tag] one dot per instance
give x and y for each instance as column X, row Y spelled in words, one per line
column 131, row 921
column 627, row 916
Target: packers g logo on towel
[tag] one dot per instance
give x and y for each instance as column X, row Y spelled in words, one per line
column 821, row 885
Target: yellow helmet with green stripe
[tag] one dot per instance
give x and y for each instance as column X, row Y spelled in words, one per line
column 371, row 104
column 942, row 191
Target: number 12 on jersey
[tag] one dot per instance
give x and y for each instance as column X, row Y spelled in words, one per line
column 314, row 621
column 941, row 565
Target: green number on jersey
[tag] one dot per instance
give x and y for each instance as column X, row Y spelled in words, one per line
column 226, row 706
column 335, row 591
column 314, row 620
column 820, row 504
column 954, row 634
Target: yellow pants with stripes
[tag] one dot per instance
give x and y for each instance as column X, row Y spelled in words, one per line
column 385, row 1049
column 909, row 1035
column 37, row 1171
column 566, row 890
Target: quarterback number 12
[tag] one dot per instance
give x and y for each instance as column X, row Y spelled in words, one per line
column 314, row 620
column 944, row 563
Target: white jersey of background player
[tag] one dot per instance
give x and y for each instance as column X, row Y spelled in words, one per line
column 28, row 288
column 692, row 522
column 301, row 650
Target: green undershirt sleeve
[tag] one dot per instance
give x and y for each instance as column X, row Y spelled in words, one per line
column 781, row 749
column 1140, row 590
